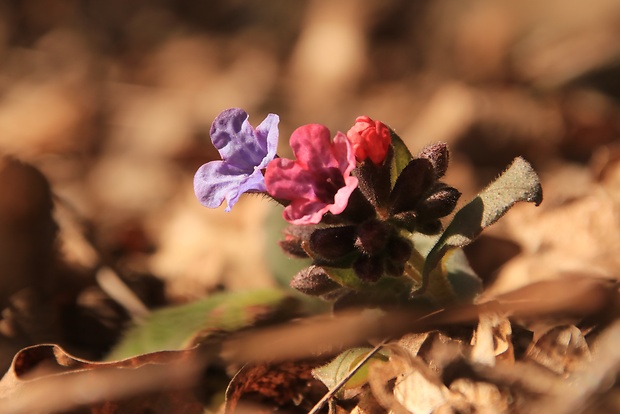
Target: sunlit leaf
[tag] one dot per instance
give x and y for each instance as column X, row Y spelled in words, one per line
column 175, row 327
column 518, row 183
column 336, row 370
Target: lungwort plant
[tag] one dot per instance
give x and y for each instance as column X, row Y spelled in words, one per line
column 365, row 210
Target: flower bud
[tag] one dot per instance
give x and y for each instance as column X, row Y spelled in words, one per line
column 438, row 155
column 430, row 227
column 370, row 139
column 293, row 247
column 412, row 183
column 357, row 209
column 375, row 179
column 313, row 281
column 369, row 268
column 331, row 243
column 407, row 220
column 372, row 235
column 439, row 203
column 398, row 251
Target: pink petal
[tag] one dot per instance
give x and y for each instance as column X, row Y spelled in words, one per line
column 311, row 145
column 342, row 152
column 287, row 180
column 341, row 199
column 303, row 211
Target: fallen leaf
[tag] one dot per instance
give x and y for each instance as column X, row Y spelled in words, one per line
column 492, row 340
column 274, row 385
column 478, row 397
column 562, row 349
column 419, row 390
column 44, row 378
column 367, row 405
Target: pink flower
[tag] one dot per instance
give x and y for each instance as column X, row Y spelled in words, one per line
column 370, row 139
column 319, row 180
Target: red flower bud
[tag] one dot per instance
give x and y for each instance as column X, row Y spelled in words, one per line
column 370, row 139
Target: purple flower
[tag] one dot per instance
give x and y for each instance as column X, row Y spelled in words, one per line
column 245, row 152
column 319, row 180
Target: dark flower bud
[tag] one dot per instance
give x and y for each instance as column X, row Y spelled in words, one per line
column 332, row 243
column 398, row 252
column 375, row 180
column 293, row 247
column 300, row 232
column 412, row 183
column 430, row 227
column 438, row 155
column 399, row 249
column 406, row 220
column 372, row 235
column 358, row 209
column 313, row 281
column 369, row 268
column 439, row 203
column 394, row 268
column 296, row 240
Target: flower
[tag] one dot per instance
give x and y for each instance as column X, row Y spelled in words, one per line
column 245, row 152
column 371, row 236
column 319, row 180
column 370, row 139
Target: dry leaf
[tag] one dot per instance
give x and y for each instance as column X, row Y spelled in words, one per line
column 275, row 385
column 413, row 342
column 478, row 397
column 367, row 405
column 44, row 378
column 562, row 349
column 492, row 340
column 419, row 390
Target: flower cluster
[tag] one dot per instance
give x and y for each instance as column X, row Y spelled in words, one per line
column 353, row 201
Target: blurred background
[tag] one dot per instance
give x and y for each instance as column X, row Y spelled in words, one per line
column 112, row 102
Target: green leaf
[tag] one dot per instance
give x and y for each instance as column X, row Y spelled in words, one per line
column 333, row 372
column 465, row 283
column 518, row 183
column 345, row 277
column 176, row 327
column 401, row 158
column 452, row 281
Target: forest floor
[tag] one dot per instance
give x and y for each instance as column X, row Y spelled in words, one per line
column 105, row 110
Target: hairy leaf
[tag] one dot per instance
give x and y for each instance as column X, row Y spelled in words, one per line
column 518, row 183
